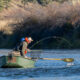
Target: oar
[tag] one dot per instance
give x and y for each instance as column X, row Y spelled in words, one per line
column 64, row 59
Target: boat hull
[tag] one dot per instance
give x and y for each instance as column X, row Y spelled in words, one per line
column 16, row 62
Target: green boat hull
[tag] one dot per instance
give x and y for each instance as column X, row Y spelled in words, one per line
column 16, row 62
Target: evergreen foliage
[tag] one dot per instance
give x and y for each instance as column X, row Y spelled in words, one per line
column 61, row 1
column 24, row 2
column 44, row 2
column 1, row 4
column 4, row 4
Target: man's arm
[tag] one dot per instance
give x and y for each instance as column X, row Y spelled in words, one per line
column 24, row 48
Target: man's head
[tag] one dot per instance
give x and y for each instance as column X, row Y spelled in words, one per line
column 29, row 39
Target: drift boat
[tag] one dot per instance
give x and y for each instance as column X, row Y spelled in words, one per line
column 16, row 62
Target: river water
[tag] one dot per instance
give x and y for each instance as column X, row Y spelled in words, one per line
column 46, row 69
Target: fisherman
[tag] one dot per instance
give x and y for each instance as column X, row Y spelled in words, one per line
column 23, row 47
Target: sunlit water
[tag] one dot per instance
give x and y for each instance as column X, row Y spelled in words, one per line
column 46, row 69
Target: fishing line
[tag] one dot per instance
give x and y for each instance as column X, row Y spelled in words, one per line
column 55, row 37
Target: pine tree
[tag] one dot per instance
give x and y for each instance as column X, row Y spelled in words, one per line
column 1, row 4
column 6, row 3
column 61, row 1
column 24, row 2
column 32, row 1
column 44, row 2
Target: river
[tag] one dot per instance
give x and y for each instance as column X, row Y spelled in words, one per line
column 46, row 69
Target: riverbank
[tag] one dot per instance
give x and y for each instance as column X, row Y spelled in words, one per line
column 39, row 22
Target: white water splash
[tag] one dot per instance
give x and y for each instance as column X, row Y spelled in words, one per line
column 70, row 64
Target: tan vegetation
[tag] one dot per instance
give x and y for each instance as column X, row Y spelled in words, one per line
column 74, row 2
column 35, row 18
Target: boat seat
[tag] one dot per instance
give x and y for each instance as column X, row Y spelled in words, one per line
column 14, row 53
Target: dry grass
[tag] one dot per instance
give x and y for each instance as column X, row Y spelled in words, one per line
column 53, row 14
column 18, row 21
